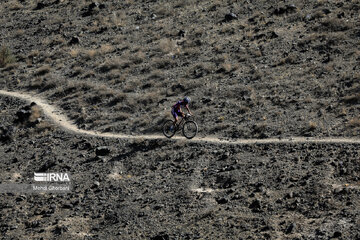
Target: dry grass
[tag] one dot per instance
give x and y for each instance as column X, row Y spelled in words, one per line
column 10, row 67
column 167, row 46
column 54, row 41
column 352, row 99
column 90, row 54
column 163, row 10
column 35, row 113
column 353, row 123
column 122, row 116
column 343, row 112
column 77, row 71
column 312, row 126
column 117, row 98
column 42, row 70
column 148, row 99
column 117, row 18
column 105, row 49
column 6, row 56
column 74, row 52
column 15, row 6
column 34, row 53
column 336, row 24
column 156, row 74
column 291, row 59
column 36, row 83
column 228, row 67
column 18, row 33
column 138, row 57
column 116, row 63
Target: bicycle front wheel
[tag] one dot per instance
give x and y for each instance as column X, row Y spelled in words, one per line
column 168, row 129
column 190, row 129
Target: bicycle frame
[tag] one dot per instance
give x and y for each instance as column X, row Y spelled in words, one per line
column 182, row 122
column 178, row 126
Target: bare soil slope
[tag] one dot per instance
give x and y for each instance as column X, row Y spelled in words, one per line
column 160, row 189
column 252, row 68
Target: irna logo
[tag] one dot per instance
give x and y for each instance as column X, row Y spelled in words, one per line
column 51, row 177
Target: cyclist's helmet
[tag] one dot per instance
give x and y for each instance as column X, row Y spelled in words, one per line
column 187, row 100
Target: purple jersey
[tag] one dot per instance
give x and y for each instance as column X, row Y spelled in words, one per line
column 178, row 105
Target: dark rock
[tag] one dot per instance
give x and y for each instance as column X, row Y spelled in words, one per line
column 47, row 165
column 206, row 100
column 337, row 234
column 285, row 10
column 20, row 198
column 92, row 9
column 221, row 200
column 255, row 206
column 111, row 217
column 290, row 228
column 161, row 236
column 67, row 206
column 39, row 6
column 230, row 16
column 5, row 134
column 74, row 40
column 22, row 115
column 225, row 182
column 96, row 184
column 32, row 224
column 60, row 230
column 272, row 35
column 12, row 227
column 326, row 11
column 181, row 33
column 102, row 151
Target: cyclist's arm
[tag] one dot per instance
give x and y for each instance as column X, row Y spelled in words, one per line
column 188, row 109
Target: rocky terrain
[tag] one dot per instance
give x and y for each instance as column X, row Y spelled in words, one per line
column 254, row 69
column 158, row 189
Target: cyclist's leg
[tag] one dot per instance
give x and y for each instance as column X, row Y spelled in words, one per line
column 176, row 118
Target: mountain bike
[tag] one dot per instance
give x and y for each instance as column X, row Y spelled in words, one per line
column 189, row 127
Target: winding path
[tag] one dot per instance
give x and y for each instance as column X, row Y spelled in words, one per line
column 54, row 114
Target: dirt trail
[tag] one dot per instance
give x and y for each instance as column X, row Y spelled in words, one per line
column 61, row 120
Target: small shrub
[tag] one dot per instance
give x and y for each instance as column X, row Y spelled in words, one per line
column 42, row 70
column 138, row 57
column 36, row 83
column 167, row 45
column 104, row 49
column 156, row 74
column 355, row 122
column 353, row 99
column 312, row 126
column 35, row 113
column 10, row 67
column 122, row 116
column 90, row 54
column 335, row 24
column 117, row 98
column 6, row 57
column 74, row 53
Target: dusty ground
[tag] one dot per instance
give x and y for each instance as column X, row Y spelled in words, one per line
column 158, row 189
column 278, row 69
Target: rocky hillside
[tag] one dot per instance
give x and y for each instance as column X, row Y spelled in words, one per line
column 252, row 68
column 158, row 189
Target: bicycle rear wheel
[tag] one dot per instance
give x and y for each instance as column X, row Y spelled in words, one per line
column 190, row 129
column 168, row 129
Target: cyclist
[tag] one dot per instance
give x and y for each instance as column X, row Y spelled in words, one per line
column 176, row 109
